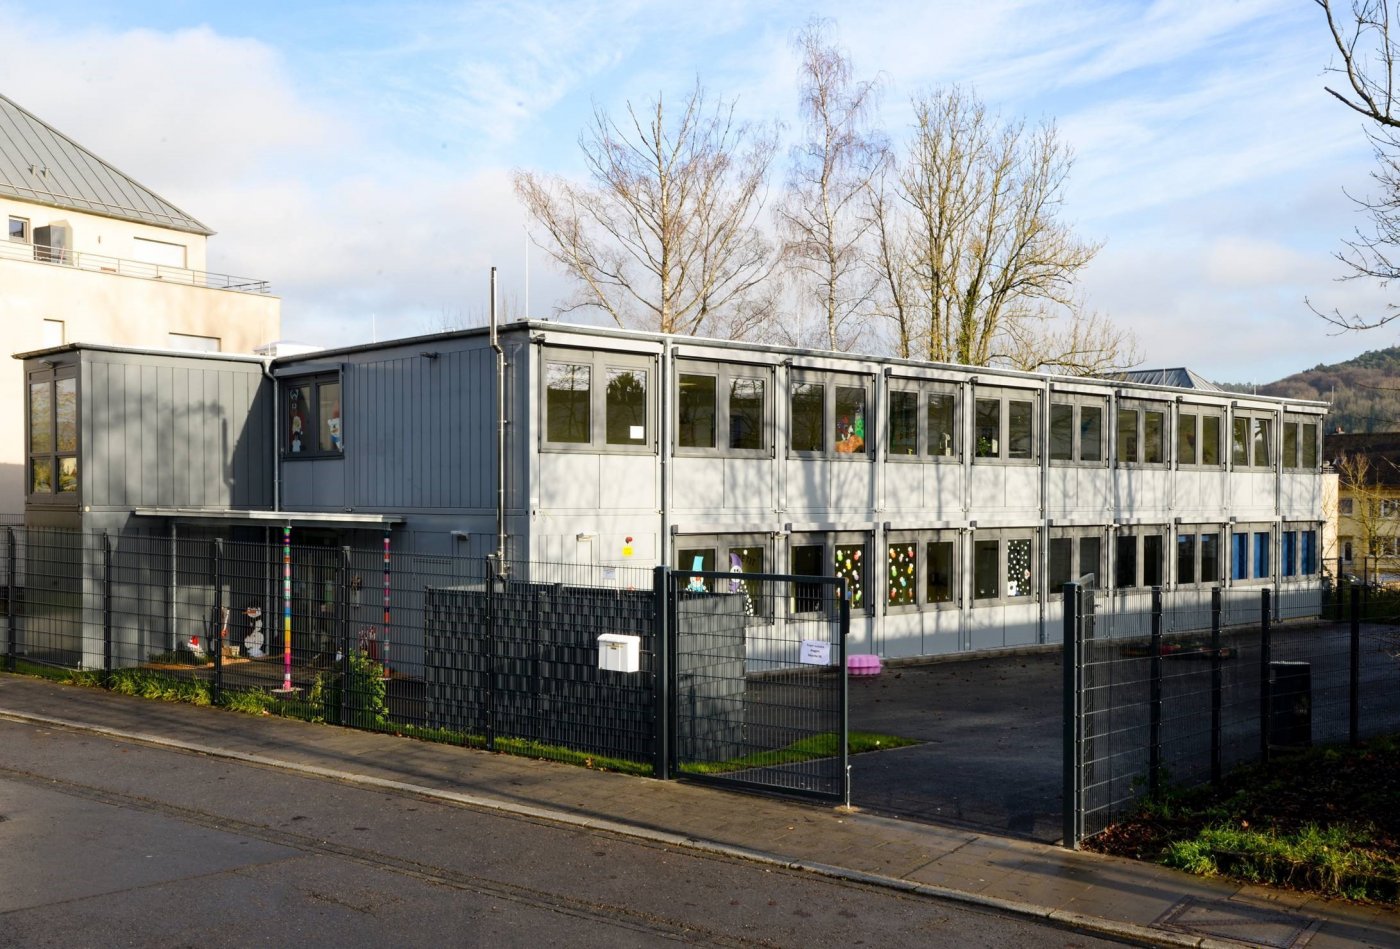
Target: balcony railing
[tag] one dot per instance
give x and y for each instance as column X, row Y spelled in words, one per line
column 63, row 257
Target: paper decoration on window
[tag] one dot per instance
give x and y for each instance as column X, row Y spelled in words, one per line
column 851, row 567
column 901, row 574
column 1018, row 568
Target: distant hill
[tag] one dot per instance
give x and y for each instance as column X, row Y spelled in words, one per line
column 1364, row 392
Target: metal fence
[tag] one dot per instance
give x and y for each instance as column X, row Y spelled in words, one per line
column 1208, row 688
column 515, row 657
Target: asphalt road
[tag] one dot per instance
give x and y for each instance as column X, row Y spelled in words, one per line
column 105, row 842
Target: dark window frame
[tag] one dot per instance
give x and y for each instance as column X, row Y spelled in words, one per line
column 722, row 545
column 924, row 392
column 1139, row 411
column 1198, row 413
column 831, row 381
column 311, row 419
column 920, row 540
column 1077, row 404
column 1004, row 537
column 54, row 455
column 725, row 374
column 1138, row 534
column 600, row 363
column 1075, row 536
column 985, row 451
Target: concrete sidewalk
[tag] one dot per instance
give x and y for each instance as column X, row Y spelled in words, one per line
column 1106, row 895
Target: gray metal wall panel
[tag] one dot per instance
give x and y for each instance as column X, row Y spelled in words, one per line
column 174, row 432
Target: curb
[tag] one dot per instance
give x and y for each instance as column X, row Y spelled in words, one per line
column 1076, row 921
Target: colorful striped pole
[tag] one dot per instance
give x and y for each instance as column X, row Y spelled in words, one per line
column 287, row 610
column 385, row 651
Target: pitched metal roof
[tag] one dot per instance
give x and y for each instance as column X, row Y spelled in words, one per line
column 1180, row 378
column 40, row 164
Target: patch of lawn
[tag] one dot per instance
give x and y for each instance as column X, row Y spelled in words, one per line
column 1323, row 821
column 824, row 745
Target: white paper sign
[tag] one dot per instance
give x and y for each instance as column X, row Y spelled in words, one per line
column 638, row 433
column 815, row 653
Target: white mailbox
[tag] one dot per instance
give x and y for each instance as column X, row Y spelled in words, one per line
column 618, row 652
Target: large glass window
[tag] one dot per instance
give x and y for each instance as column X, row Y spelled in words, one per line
column 313, row 422
column 942, row 578
column 737, row 554
column 920, row 569
column 904, row 423
column 747, row 414
column 942, row 432
column 1071, row 557
column 1003, row 566
column 697, row 420
column 53, row 432
column 625, row 407
column 1142, row 434
column 1076, row 432
column 1004, row 426
column 568, row 403
column 808, row 416
column 1139, row 558
column 850, row 420
column 902, row 573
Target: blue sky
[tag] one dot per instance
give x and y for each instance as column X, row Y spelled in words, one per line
column 359, row 155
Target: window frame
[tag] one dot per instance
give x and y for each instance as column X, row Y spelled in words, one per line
column 1198, row 531
column 1005, row 396
column 1139, row 534
column 26, row 229
column 1251, row 531
column 722, row 545
column 1254, row 421
column 831, row 381
column 1304, row 430
column 1004, row 537
column 1140, row 409
column 600, row 363
column 311, row 421
column 920, row 540
column 54, row 455
column 924, row 391
column 725, row 374
column 1076, row 537
column 1076, row 405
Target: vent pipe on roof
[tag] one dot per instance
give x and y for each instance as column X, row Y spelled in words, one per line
column 501, row 569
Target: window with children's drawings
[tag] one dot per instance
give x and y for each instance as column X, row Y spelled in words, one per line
column 312, row 424
column 829, row 414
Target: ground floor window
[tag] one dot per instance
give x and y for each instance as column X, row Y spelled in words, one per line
column 1197, row 555
column 1003, row 565
column 1139, row 557
column 921, row 569
column 1073, row 554
column 737, row 554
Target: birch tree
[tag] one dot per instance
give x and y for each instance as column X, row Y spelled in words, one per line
column 664, row 236
column 972, row 248
column 824, row 219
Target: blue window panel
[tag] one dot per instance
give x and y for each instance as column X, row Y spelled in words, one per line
column 1239, row 556
column 1289, row 565
column 1309, row 552
column 1261, row 555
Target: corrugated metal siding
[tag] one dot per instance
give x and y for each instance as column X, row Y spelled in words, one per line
column 420, row 432
column 175, row 433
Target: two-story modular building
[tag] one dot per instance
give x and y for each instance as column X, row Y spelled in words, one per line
column 90, row 255
column 955, row 501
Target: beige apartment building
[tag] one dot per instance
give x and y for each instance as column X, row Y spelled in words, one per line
column 90, row 255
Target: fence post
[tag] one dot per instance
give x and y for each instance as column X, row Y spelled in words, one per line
column 1354, row 687
column 1154, row 709
column 845, row 631
column 343, row 620
column 106, row 602
column 1070, row 751
column 1265, row 650
column 488, row 665
column 11, row 602
column 661, row 688
column 216, row 636
column 1216, row 683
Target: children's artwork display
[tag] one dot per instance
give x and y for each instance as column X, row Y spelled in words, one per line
column 850, row 566
column 903, row 582
column 1018, row 568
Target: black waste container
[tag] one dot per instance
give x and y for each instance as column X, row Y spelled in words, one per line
column 1290, row 704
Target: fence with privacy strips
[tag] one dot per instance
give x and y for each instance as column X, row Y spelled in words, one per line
column 740, row 680
column 1191, row 687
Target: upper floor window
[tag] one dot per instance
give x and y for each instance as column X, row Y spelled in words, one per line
column 721, row 408
column 313, row 422
column 1142, row 433
column 828, row 414
column 923, row 422
column 1299, row 444
column 1198, row 437
column 53, row 432
column 1004, row 425
column 1251, row 442
column 597, row 401
column 1076, row 430
column 19, row 229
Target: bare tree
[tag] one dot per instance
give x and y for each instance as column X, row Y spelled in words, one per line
column 824, row 219
column 975, row 247
column 1369, row 56
column 665, row 235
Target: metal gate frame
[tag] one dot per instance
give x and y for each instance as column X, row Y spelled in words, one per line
column 740, row 703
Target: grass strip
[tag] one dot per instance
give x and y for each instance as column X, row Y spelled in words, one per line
column 811, row 748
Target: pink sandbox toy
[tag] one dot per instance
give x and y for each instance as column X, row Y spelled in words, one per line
column 863, row 664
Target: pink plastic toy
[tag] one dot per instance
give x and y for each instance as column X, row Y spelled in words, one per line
column 863, row 664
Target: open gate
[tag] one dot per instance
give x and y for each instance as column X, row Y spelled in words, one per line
column 758, row 693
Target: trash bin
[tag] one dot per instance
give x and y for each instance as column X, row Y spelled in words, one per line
column 1290, row 704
